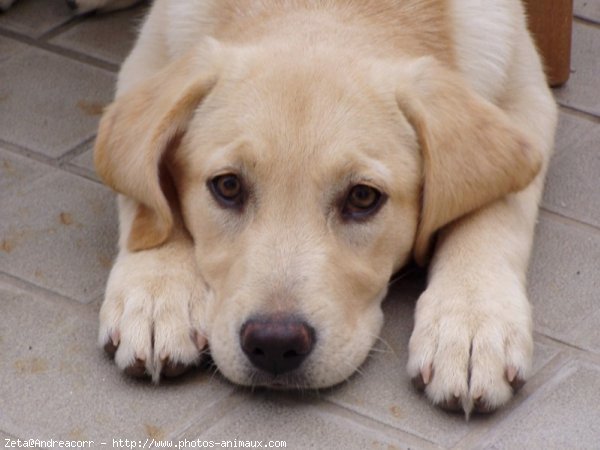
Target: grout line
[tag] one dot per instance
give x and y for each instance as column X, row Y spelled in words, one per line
column 565, row 347
column 72, row 22
column 66, row 167
column 535, row 387
column 76, row 151
column 83, row 173
column 576, row 112
column 568, row 349
column 61, row 51
column 372, row 425
column 570, row 221
column 586, row 21
column 40, row 292
column 26, row 153
column 210, row 416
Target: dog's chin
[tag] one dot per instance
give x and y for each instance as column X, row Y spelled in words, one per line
column 295, row 381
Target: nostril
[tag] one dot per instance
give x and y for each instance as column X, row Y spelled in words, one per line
column 276, row 345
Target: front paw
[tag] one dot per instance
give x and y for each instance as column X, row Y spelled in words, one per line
column 471, row 349
column 151, row 318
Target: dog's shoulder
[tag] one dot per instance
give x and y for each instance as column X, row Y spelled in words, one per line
column 485, row 35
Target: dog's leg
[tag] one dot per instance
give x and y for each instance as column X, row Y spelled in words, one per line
column 85, row 6
column 151, row 318
column 472, row 342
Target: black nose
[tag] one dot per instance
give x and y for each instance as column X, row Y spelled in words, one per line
column 276, row 345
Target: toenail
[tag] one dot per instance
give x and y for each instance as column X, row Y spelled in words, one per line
column 171, row 369
column 137, row 369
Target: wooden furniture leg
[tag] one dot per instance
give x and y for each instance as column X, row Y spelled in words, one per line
column 551, row 22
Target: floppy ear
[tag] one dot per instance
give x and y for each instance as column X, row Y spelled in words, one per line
column 472, row 152
column 134, row 134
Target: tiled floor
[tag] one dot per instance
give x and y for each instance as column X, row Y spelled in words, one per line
column 57, row 238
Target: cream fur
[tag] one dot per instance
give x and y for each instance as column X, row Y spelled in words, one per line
column 303, row 101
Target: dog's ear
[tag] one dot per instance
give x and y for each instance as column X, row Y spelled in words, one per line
column 135, row 132
column 472, row 152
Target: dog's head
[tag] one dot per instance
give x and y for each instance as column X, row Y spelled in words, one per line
column 305, row 181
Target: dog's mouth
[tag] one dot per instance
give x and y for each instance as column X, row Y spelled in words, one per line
column 295, row 381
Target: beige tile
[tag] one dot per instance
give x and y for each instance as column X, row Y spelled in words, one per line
column 587, row 9
column 563, row 415
column 57, row 384
column 302, row 422
column 582, row 91
column 17, row 173
column 34, row 17
column 383, row 390
column 51, row 103
column 58, row 231
column 8, row 48
column 572, row 187
column 85, row 161
column 109, row 37
column 587, row 334
column 9, row 441
column 564, row 279
column 5, row 436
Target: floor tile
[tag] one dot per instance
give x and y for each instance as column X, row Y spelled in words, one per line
column 8, row 48
column 564, row 280
column 565, row 415
column 57, row 384
column 59, row 232
column 302, row 423
column 9, row 441
column 105, row 36
column 85, row 161
column 572, row 187
column 587, row 9
column 34, row 17
column 51, row 103
column 5, row 436
column 582, row 91
column 17, row 173
column 587, row 334
column 382, row 389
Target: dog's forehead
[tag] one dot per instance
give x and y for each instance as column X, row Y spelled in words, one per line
column 302, row 122
column 310, row 113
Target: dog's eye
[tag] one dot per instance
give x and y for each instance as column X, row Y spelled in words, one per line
column 361, row 202
column 227, row 190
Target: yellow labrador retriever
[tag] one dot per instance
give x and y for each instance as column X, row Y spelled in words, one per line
column 278, row 161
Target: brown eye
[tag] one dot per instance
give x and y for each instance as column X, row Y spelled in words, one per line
column 361, row 202
column 227, row 190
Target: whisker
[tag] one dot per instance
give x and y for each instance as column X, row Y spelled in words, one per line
column 379, row 350
column 389, row 348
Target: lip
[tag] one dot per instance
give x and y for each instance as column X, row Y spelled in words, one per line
column 286, row 382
